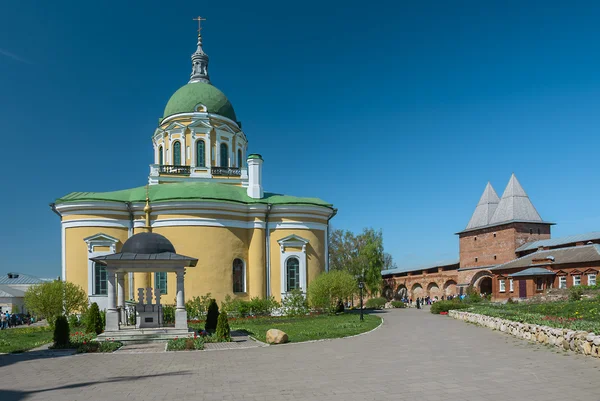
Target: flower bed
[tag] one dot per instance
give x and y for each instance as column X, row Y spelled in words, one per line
column 186, row 344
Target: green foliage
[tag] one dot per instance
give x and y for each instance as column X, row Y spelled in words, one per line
column 185, row 344
column 575, row 315
column 398, row 304
column 510, row 301
column 263, row 306
column 328, row 289
column 61, row 332
column 445, row 306
column 295, row 304
column 473, row 295
column 198, row 306
column 168, row 314
column 212, row 316
column 73, row 321
column 223, row 332
column 376, row 303
column 93, row 322
column 360, row 255
column 54, row 298
column 575, row 293
column 99, row 346
column 255, row 307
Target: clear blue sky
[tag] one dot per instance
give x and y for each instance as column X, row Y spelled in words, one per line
column 396, row 113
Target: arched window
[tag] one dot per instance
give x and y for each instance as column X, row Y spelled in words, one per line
column 160, row 155
column 292, row 269
column 200, row 153
column 224, row 155
column 176, row 153
column 239, row 158
column 239, row 276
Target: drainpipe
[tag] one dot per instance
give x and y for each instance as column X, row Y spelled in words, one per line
column 333, row 213
column 268, row 249
column 129, row 206
column 63, row 255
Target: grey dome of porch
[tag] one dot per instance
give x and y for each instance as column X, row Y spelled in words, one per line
column 143, row 252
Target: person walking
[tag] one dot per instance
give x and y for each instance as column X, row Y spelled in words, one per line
column 2, row 321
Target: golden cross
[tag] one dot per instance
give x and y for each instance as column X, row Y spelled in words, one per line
column 199, row 19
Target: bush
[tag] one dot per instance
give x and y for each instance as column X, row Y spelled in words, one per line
column 398, row 304
column 185, row 344
column 445, row 306
column 73, row 321
column 212, row 316
column 196, row 307
column 575, row 293
column 94, row 320
column 61, row 332
column 223, row 332
column 472, row 295
column 168, row 314
column 376, row 303
column 294, row 304
column 329, row 289
column 263, row 306
column 510, row 301
column 255, row 307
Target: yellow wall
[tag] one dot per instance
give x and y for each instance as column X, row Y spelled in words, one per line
column 76, row 251
column 315, row 256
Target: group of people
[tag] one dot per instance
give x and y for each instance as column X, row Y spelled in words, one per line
column 9, row 320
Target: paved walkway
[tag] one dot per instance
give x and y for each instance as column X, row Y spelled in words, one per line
column 413, row 356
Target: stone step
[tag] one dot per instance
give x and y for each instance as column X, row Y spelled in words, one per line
column 141, row 336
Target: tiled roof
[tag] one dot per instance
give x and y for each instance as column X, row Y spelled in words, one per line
column 571, row 239
column 515, row 205
column 20, row 278
column 574, row 254
column 408, row 269
column 485, row 208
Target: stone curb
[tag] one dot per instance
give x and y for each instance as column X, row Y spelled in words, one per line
column 581, row 342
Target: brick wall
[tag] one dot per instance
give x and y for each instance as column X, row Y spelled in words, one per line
column 495, row 245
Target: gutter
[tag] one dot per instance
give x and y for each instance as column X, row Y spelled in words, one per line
column 53, row 207
column 268, row 250
column 333, row 213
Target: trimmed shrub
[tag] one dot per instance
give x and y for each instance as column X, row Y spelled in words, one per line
column 93, row 322
column 61, row 332
column 376, row 303
column 445, row 306
column 398, row 304
column 212, row 316
column 223, row 332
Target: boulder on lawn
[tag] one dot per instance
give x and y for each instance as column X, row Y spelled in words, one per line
column 275, row 336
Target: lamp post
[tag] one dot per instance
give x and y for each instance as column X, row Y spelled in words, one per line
column 361, row 285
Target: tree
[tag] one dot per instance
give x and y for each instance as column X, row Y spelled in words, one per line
column 370, row 258
column 328, row 289
column 93, row 322
column 212, row 316
column 55, row 298
column 388, row 262
column 223, row 332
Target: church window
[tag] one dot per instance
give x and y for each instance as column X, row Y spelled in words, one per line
column 239, row 158
column 292, row 267
column 176, row 153
column 224, row 155
column 160, row 281
column 239, row 276
column 160, row 155
column 100, row 278
column 200, row 153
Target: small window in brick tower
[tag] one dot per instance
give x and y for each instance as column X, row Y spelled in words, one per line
column 494, row 235
column 475, row 259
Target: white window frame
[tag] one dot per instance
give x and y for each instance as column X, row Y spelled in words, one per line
column 578, row 278
column 562, row 282
column 92, row 242
column 502, row 284
column 293, row 241
column 589, row 279
column 511, row 285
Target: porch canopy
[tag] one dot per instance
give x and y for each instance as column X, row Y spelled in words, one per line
column 145, row 253
column 533, row 271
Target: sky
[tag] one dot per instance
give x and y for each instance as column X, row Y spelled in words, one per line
column 398, row 113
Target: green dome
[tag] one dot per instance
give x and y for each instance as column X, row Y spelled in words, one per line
column 188, row 96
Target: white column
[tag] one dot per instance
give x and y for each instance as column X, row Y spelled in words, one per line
column 180, row 313
column 121, row 295
column 112, row 317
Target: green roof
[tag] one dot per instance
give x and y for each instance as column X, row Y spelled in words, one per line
column 190, row 191
column 190, row 95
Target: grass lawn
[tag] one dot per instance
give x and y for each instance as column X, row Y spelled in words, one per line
column 575, row 315
column 304, row 328
column 24, row 338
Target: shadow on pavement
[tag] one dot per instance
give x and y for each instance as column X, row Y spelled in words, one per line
column 12, row 395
